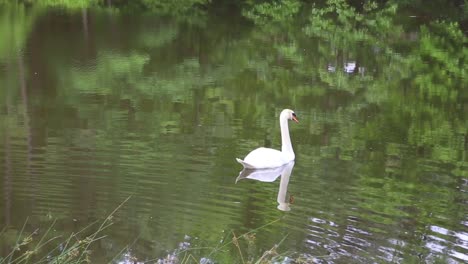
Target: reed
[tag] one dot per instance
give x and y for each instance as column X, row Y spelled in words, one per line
column 232, row 250
column 75, row 248
column 72, row 250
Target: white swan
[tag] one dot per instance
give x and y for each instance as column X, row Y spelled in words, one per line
column 264, row 158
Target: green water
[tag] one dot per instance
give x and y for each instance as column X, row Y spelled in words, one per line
column 101, row 104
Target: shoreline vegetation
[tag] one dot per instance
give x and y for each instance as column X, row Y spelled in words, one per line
column 74, row 249
column 78, row 248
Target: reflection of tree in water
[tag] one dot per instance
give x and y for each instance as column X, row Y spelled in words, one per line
column 368, row 86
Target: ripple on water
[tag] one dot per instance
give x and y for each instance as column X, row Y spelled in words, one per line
column 379, row 218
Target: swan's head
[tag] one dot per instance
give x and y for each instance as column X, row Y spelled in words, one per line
column 289, row 114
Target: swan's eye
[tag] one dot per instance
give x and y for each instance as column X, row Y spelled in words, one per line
column 294, row 117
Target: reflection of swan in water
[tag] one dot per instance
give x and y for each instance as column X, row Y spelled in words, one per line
column 270, row 175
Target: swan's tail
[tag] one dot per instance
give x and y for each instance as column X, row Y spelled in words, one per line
column 245, row 164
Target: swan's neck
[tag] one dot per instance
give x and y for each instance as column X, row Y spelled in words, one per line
column 286, row 146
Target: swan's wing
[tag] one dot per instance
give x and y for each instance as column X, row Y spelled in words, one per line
column 265, row 158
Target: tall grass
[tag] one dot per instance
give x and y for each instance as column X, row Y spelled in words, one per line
column 232, row 249
column 75, row 248
column 72, row 250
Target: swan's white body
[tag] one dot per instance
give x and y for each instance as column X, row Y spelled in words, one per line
column 265, row 158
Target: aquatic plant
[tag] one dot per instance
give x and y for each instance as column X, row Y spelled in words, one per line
column 74, row 249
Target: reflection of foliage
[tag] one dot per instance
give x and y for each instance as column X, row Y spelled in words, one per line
column 170, row 7
column 208, row 91
column 442, row 56
column 15, row 23
column 276, row 11
column 72, row 4
column 120, row 73
column 158, row 36
column 341, row 23
column 434, row 65
column 190, row 11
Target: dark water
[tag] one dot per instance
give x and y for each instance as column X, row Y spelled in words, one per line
column 99, row 105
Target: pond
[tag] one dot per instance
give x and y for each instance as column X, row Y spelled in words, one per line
column 134, row 120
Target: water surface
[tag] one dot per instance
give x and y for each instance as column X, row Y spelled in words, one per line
column 97, row 106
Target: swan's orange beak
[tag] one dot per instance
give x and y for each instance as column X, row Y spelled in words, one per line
column 294, row 118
